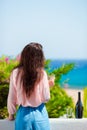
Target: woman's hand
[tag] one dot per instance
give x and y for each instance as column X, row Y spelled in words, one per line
column 51, row 80
column 11, row 117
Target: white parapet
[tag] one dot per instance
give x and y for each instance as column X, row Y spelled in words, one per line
column 55, row 123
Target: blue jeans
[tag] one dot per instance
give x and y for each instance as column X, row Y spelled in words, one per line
column 32, row 118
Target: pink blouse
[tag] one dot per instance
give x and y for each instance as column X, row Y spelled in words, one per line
column 16, row 96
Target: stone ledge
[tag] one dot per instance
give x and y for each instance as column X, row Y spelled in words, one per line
column 55, row 123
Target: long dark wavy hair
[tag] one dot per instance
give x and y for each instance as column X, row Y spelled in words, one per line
column 30, row 66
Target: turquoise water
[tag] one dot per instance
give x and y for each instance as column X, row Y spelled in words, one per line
column 76, row 78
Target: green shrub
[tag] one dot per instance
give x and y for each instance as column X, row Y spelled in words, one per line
column 58, row 103
column 3, row 95
column 3, row 100
column 6, row 66
column 85, row 102
column 3, row 113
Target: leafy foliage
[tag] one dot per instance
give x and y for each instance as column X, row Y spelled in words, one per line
column 6, row 66
column 3, row 95
column 59, row 102
column 3, row 100
column 64, row 69
column 85, row 102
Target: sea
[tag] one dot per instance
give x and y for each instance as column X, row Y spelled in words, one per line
column 76, row 78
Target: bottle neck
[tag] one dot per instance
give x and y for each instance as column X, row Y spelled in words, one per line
column 79, row 96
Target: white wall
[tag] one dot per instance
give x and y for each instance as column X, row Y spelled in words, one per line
column 56, row 124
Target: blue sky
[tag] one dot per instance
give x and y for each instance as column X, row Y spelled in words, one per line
column 59, row 25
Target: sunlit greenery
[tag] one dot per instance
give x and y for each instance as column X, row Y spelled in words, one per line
column 59, row 102
column 85, row 102
column 6, row 66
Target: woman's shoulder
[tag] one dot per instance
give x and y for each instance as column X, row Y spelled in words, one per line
column 14, row 72
column 44, row 73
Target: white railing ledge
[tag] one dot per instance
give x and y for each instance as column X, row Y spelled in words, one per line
column 68, row 124
column 55, row 124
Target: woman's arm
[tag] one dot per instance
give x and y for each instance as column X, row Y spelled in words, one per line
column 11, row 101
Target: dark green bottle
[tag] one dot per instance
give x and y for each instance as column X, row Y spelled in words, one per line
column 79, row 107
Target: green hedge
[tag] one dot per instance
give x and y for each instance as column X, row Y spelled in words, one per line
column 85, row 102
column 3, row 101
column 58, row 103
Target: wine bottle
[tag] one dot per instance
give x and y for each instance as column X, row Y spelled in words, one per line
column 79, row 107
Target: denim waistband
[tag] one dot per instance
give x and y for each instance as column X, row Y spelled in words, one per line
column 31, row 107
